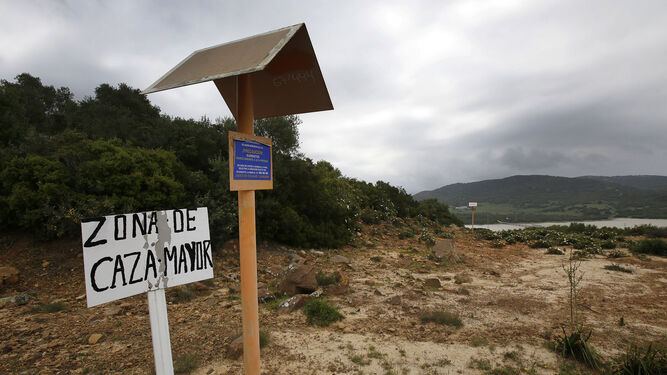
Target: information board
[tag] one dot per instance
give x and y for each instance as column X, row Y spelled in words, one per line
column 250, row 162
column 129, row 254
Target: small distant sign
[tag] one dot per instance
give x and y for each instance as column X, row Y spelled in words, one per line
column 250, row 162
column 129, row 254
column 472, row 204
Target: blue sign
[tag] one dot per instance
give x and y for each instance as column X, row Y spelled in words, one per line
column 252, row 161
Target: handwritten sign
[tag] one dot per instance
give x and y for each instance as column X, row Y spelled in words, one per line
column 129, row 254
column 250, row 162
column 472, row 204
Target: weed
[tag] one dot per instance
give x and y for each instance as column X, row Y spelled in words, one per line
column 401, row 352
column 497, row 244
column 505, row 370
column 513, row 355
column 652, row 360
column 617, row 267
column 264, row 338
column 373, row 353
column 621, row 322
column 233, row 297
column 185, row 364
column 324, row 279
column 376, row 259
column 442, row 317
column 479, row 364
column 405, row 233
column 320, row 313
column 274, row 303
column 360, row 360
column 477, row 341
column 50, row 307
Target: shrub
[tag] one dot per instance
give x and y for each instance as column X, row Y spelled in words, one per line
column 50, row 307
column 540, row 244
column 324, row 279
column 319, row 312
column 555, row 251
column 442, row 317
column 426, row 238
column 616, row 267
column 635, row 361
column 497, row 244
column 608, row 244
column 615, row 254
column 654, row 246
column 406, row 232
column 185, row 364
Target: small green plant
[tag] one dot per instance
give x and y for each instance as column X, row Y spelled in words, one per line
column 555, row 251
column 427, row 238
column 477, row 341
column 376, row 259
column 185, row 364
column 360, row 360
column 617, row 267
column 442, row 317
column 324, row 279
column 274, row 303
column 574, row 344
column 50, row 307
column 479, row 364
column 264, row 338
column 406, row 233
column 184, row 293
column 637, row 361
column 320, row 313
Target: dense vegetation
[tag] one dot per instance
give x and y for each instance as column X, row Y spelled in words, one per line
column 549, row 198
column 63, row 160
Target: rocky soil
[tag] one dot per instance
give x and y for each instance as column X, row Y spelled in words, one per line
column 512, row 303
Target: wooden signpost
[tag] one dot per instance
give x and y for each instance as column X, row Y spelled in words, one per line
column 473, row 205
column 266, row 75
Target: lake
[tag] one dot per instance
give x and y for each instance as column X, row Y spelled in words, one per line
column 615, row 223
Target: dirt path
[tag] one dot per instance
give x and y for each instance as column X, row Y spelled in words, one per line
column 511, row 302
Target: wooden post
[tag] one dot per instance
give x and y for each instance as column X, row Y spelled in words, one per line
column 473, row 219
column 247, row 241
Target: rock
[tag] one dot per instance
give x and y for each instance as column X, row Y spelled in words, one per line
column 8, row 275
column 235, row 348
column 340, row 325
column 274, row 270
column 341, row 287
column 200, row 287
column 111, row 310
column 369, row 282
column 299, row 279
column 395, row 300
column 432, row 283
column 94, row 338
column 378, row 293
column 45, row 263
column 445, row 250
column 79, row 298
column 20, row 299
column 231, row 244
column 462, row 278
column 336, row 259
column 263, row 292
column 294, row 303
column 293, row 258
column 317, row 252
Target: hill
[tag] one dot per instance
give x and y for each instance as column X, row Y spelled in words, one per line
column 550, row 198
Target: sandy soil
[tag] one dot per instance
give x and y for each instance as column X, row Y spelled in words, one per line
column 512, row 302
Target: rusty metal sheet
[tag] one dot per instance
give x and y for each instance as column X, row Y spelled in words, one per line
column 286, row 75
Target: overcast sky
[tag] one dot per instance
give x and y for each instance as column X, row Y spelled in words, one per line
column 426, row 93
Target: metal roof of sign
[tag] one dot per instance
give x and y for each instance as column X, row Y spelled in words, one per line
column 286, row 75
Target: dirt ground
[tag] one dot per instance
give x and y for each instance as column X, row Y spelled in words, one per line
column 512, row 301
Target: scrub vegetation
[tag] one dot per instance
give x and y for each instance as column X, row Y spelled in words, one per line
column 62, row 160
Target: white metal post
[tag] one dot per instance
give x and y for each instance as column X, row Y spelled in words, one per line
column 157, row 311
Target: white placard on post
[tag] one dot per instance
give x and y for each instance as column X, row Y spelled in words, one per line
column 472, row 204
column 129, row 254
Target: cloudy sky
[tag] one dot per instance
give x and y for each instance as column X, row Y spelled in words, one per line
column 426, row 93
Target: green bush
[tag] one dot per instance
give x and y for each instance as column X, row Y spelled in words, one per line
column 320, row 313
column 654, row 246
column 637, row 361
column 575, row 346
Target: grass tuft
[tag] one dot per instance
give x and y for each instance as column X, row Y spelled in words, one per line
column 185, row 364
column 50, row 307
column 617, row 267
column 442, row 317
column 652, row 360
column 575, row 346
column 324, row 279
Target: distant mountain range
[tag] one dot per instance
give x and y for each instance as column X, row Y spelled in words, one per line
column 550, row 198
